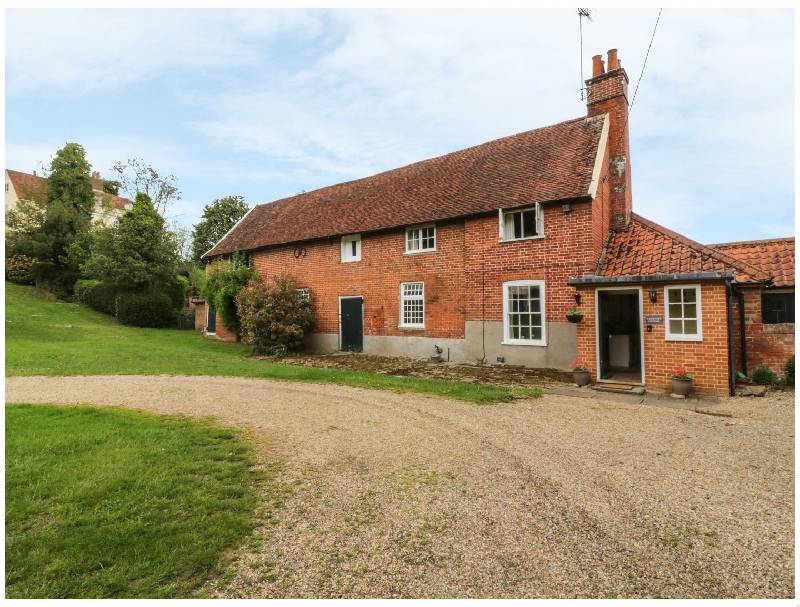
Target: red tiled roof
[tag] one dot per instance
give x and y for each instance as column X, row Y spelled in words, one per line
column 646, row 248
column 774, row 256
column 27, row 186
column 551, row 163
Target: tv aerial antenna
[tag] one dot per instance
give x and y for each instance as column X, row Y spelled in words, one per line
column 583, row 13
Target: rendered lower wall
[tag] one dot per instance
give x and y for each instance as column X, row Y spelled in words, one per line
column 487, row 337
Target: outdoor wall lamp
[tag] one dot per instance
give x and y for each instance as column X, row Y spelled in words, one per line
column 577, row 297
column 653, row 295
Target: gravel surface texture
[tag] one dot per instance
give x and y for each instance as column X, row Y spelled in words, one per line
column 400, row 495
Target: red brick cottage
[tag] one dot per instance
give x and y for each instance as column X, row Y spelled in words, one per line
column 479, row 254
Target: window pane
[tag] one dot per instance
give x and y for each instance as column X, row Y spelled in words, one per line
column 517, row 225
column 690, row 327
column 674, row 295
column 676, row 327
column 514, row 332
column 537, row 332
column 529, row 223
column 675, row 311
column 689, row 295
column 525, row 332
column 690, row 311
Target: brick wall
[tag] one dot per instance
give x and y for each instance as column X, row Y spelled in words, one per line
column 706, row 360
column 768, row 345
column 377, row 277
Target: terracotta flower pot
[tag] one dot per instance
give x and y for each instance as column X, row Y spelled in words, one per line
column 681, row 387
column 574, row 317
column 581, row 378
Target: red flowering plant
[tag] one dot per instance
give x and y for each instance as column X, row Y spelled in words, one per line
column 680, row 372
column 578, row 364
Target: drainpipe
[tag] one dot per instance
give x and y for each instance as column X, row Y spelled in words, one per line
column 741, row 325
column 731, row 355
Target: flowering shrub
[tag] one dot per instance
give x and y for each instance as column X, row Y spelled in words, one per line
column 578, row 364
column 680, row 372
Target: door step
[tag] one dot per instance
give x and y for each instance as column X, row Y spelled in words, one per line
column 619, row 388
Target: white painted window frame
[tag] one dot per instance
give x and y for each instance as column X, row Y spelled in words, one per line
column 304, row 293
column 347, row 252
column 404, row 298
column 507, row 339
column 507, row 235
column 418, row 228
column 668, row 334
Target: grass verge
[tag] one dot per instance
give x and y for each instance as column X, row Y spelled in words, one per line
column 106, row 503
column 48, row 337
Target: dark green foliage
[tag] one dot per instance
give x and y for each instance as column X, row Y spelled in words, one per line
column 224, row 281
column 144, row 310
column 100, row 296
column 58, row 280
column 18, row 269
column 788, row 370
column 197, row 282
column 764, row 376
column 44, row 228
column 274, row 317
column 137, row 254
column 111, row 187
column 218, row 217
column 175, row 290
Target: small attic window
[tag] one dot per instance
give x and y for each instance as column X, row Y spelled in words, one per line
column 351, row 248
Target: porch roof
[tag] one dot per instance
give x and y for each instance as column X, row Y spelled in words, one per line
column 774, row 256
column 646, row 252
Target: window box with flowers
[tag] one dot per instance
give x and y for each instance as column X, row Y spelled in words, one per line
column 681, row 381
column 580, row 371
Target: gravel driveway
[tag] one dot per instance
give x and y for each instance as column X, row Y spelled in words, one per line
column 400, row 495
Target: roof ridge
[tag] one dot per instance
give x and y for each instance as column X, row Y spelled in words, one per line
column 741, row 243
column 742, row 266
column 433, row 158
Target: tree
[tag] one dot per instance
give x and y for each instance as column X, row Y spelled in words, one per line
column 145, row 179
column 218, row 217
column 44, row 229
column 138, row 253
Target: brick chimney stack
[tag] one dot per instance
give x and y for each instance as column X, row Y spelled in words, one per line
column 607, row 93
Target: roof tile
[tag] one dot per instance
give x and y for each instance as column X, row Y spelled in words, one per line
column 551, row 163
column 774, row 256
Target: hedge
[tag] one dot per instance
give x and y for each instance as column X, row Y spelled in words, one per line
column 144, row 310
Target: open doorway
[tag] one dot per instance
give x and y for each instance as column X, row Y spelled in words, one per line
column 619, row 335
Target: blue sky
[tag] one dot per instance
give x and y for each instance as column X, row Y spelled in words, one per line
column 266, row 103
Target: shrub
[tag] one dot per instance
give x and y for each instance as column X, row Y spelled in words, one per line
column 274, row 317
column 223, row 284
column 788, row 370
column 101, row 296
column 764, row 376
column 83, row 287
column 18, row 269
column 57, row 280
column 150, row 309
column 175, row 290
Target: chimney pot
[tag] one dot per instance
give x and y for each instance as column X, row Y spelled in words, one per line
column 598, row 69
column 613, row 62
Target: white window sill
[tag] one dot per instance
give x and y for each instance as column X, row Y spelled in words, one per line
column 420, row 251
column 411, row 327
column 694, row 338
column 351, row 260
column 523, row 343
column 518, row 239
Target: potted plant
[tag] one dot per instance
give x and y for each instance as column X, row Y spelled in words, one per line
column 574, row 314
column 681, row 381
column 580, row 371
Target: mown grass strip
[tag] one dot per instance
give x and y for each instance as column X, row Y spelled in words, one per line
column 107, row 503
column 47, row 337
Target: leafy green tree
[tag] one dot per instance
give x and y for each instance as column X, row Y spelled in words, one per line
column 218, row 217
column 274, row 317
column 44, row 229
column 137, row 253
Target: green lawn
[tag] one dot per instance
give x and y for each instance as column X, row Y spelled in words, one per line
column 48, row 337
column 107, row 503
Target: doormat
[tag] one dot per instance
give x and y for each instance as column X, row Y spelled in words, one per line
column 615, row 386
